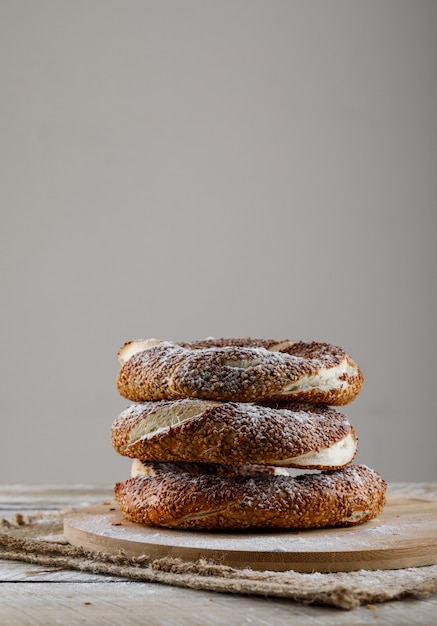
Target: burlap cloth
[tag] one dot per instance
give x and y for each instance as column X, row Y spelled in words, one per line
column 38, row 538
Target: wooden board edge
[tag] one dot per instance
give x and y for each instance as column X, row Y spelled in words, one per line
column 418, row 555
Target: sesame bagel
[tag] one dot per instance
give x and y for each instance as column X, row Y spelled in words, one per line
column 209, row 497
column 239, row 370
column 235, row 433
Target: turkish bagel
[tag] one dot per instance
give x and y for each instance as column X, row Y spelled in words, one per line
column 239, row 370
column 210, row 497
column 232, row 433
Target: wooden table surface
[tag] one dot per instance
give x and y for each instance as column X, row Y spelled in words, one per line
column 35, row 595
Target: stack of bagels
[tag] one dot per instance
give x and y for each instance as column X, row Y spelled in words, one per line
column 214, row 424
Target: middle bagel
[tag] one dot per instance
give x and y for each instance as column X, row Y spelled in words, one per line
column 234, row 433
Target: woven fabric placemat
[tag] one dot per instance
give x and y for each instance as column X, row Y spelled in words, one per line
column 38, row 538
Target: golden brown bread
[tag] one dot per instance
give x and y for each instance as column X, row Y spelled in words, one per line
column 235, row 433
column 239, row 370
column 209, row 497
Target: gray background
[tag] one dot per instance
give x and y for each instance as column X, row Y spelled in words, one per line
column 179, row 169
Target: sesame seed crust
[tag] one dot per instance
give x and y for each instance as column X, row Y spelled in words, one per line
column 232, row 433
column 241, row 370
column 209, row 497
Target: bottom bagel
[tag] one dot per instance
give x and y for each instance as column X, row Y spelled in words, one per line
column 202, row 496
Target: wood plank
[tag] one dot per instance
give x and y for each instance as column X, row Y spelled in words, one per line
column 159, row 605
column 20, row 571
column 47, row 497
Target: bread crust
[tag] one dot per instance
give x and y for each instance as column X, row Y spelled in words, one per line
column 235, row 433
column 210, row 497
column 240, row 370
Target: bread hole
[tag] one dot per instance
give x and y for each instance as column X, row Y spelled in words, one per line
column 168, row 416
column 243, row 364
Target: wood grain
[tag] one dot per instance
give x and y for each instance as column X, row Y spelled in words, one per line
column 405, row 535
column 128, row 604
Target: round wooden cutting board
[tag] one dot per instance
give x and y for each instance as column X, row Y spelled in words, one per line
column 404, row 535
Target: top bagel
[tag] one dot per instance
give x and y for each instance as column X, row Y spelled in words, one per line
column 239, row 370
